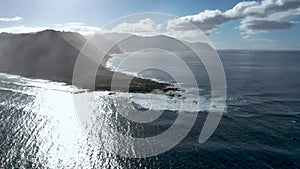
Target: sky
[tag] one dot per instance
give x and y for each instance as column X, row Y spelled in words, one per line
column 228, row 24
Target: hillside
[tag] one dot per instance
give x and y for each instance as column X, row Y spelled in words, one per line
column 52, row 55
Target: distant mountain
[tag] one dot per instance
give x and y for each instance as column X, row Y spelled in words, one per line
column 104, row 45
column 132, row 43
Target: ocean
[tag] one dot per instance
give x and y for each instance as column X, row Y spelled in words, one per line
column 260, row 127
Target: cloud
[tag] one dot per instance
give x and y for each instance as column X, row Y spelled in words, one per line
column 14, row 19
column 72, row 27
column 205, row 21
column 190, row 35
column 240, row 10
column 255, row 17
column 269, row 7
column 21, row 29
column 255, row 26
column 143, row 27
column 76, row 27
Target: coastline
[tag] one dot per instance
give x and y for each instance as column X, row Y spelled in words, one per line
column 104, row 77
column 103, row 81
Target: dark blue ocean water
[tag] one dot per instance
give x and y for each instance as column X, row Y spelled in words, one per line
column 260, row 129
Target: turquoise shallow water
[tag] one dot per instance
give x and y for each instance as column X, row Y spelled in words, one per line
column 260, row 129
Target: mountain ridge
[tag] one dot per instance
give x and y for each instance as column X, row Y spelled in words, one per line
column 52, row 55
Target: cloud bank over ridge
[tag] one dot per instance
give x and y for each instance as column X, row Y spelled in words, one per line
column 254, row 17
column 14, row 19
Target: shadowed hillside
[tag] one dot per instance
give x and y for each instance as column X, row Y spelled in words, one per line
column 52, row 55
column 42, row 55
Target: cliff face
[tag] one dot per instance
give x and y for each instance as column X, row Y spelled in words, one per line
column 52, row 55
column 42, row 55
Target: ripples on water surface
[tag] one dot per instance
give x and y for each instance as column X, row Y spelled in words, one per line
column 40, row 129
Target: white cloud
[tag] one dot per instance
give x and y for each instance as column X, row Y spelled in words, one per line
column 72, row 27
column 188, row 35
column 205, row 21
column 255, row 17
column 76, row 27
column 255, row 26
column 240, row 10
column 21, row 29
column 143, row 27
column 14, row 19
